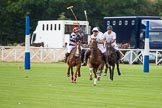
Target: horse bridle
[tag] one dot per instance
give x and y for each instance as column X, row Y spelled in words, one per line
column 77, row 54
column 108, row 44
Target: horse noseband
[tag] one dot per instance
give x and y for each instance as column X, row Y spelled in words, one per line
column 77, row 54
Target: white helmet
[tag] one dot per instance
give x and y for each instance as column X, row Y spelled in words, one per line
column 95, row 29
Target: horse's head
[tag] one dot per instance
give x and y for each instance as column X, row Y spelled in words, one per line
column 93, row 47
column 108, row 45
column 93, row 44
column 109, row 48
column 77, row 52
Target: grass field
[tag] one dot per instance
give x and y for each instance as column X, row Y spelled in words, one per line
column 46, row 86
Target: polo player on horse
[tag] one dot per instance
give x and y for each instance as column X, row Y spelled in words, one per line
column 110, row 36
column 98, row 36
column 74, row 37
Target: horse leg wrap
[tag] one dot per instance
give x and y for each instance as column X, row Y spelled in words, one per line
column 98, row 75
column 98, row 72
column 90, row 71
column 95, row 81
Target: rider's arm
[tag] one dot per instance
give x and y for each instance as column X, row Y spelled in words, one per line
column 72, row 38
column 113, row 40
column 101, row 41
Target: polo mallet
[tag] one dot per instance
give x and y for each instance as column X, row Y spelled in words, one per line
column 85, row 12
column 70, row 7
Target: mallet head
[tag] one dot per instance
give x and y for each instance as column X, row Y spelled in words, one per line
column 70, row 7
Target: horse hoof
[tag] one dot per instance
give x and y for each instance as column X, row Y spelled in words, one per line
column 98, row 78
column 73, row 81
column 105, row 74
column 119, row 74
column 68, row 75
column 111, row 79
column 79, row 75
column 90, row 78
column 94, row 84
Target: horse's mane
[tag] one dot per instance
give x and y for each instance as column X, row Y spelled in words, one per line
column 109, row 48
column 73, row 51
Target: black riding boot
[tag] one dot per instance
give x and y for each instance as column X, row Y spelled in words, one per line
column 66, row 56
column 82, row 55
column 86, row 55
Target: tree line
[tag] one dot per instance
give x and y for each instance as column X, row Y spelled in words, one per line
column 13, row 13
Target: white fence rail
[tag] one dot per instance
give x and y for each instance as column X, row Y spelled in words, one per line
column 136, row 55
column 37, row 54
column 40, row 54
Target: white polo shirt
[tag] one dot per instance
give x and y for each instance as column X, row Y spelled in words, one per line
column 98, row 38
column 109, row 37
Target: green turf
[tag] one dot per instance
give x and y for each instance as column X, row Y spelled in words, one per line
column 46, row 86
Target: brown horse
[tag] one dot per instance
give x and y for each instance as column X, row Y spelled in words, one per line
column 74, row 59
column 112, row 57
column 95, row 61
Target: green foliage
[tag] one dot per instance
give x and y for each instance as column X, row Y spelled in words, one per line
column 14, row 44
column 47, row 86
column 13, row 12
column 62, row 16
